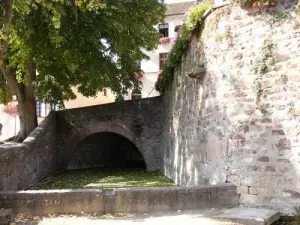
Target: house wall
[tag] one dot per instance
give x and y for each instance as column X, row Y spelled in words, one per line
column 82, row 101
column 151, row 66
column 10, row 123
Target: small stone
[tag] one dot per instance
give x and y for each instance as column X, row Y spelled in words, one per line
column 283, row 160
column 265, row 120
column 237, row 56
column 283, row 57
column 264, row 159
column 255, row 168
column 270, row 169
column 284, row 144
column 278, row 132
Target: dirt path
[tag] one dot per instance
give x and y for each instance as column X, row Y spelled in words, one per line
column 179, row 218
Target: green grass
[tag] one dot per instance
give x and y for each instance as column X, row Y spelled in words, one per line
column 105, row 179
column 288, row 220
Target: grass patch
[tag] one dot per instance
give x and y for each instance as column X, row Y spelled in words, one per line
column 106, row 179
column 288, row 220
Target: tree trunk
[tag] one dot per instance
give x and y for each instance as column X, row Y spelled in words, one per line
column 28, row 118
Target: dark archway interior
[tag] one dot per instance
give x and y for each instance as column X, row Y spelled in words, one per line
column 108, row 150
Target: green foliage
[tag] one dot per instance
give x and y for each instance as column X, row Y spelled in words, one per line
column 193, row 19
column 284, row 78
column 106, row 179
column 278, row 16
column 87, row 44
column 249, row 3
column 5, row 95
column 261, row 66
column 292, row 109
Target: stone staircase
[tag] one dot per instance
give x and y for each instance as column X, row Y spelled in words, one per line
column 6, row 216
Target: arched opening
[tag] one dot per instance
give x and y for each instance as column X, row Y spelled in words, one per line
column 107, row 150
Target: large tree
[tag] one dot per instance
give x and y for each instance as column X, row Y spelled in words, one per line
column 49, row 46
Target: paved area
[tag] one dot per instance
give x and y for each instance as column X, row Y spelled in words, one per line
column 205, row 217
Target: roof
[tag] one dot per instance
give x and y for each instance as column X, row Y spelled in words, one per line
column 178, row 8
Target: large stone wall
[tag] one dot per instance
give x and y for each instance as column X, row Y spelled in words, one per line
column 214, row 129
column 139, row 121
column 24, row 164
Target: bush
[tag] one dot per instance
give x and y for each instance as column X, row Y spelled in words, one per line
column 193, row 19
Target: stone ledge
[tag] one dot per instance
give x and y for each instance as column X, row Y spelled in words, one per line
column 124, row 200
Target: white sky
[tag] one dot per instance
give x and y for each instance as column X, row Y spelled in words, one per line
column 176, row 1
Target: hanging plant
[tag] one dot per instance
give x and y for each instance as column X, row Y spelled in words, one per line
column 256, row 3
column 11, row 109
column 139, row 76
column 164, row 40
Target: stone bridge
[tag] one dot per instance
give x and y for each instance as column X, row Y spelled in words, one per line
column 79, row 140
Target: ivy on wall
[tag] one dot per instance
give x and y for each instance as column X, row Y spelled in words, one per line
column 185, row 35
column 262, row 65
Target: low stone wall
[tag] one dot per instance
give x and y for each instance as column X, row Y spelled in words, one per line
column 24, row 164
column 127, row 200
column 53, row 202
column 166, row 199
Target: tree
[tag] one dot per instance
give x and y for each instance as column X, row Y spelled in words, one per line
column 49, row 46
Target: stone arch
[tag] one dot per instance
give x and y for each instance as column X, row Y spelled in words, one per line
column 98, row 127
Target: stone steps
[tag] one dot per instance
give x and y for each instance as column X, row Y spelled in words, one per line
column 6, row 216
column 249, row 216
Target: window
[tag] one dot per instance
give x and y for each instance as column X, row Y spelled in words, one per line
column 163, row 58
column 104, row 92
column 138, row 64
column 164, row 29
column 136, row 94
column 54, row 107
column 38, row 109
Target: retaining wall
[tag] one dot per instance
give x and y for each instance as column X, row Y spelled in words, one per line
column 24, row 164
column 127, row 200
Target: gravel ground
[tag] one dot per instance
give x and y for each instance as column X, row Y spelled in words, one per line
column 180, row 218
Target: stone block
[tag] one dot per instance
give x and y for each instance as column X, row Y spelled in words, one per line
column 250, row 199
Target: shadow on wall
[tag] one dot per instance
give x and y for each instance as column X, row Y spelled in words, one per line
column 106, row 149
column 218, row 132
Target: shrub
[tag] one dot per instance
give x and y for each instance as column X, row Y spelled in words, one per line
column 193, row 19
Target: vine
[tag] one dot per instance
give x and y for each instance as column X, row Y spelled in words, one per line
column 262, row 65
column 185, row 35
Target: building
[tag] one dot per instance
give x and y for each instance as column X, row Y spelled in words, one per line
column 152, row 67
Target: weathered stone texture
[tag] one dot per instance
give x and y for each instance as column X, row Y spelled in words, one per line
column 138, row 121
column 24, row 164
column 215, row 131
column 124, row 200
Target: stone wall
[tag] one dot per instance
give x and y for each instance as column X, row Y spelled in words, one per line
column 24, row 164
column 124, row 200
column 237, row 125
column 139, row 121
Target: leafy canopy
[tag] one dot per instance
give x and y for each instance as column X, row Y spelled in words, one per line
column 90, row 44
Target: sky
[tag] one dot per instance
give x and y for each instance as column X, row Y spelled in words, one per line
column 176, row 1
